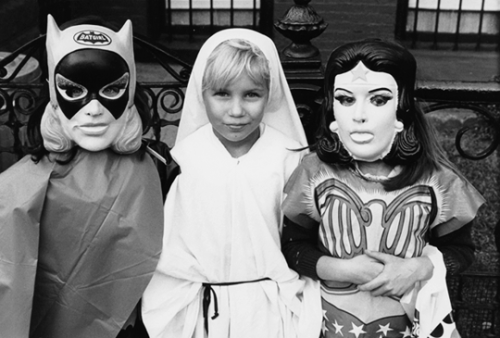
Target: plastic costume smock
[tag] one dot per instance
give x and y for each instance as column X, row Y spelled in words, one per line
column 353, row 213
column 79, row 240
column 222, row 269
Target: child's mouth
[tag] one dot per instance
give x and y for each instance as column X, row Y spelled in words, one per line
column 236, row 126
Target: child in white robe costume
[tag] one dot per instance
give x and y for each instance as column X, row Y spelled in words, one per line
column 223, row 224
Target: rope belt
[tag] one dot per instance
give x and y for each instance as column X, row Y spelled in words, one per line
column 209, row 291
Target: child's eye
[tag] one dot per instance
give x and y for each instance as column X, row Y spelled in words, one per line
column 380, row 100
column 253, row 95
column 111, row 91
column 221, row 93
column 73, row 91
column 115, row 89
column 345, row 100
column 68, row 89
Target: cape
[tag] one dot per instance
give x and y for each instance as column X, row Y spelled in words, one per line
column 79, row 243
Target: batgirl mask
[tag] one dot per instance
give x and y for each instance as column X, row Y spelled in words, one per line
column 87, row 62
column 92, row 74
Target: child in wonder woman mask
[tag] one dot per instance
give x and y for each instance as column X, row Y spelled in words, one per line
column 82, row 217
column 362, row 209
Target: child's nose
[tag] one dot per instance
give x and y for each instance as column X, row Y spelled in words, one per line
column 236, row 108
column 94, row 108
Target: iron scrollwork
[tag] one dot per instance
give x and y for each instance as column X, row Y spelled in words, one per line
column 485, row 126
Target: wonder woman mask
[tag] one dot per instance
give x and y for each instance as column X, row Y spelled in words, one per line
column 365, row 104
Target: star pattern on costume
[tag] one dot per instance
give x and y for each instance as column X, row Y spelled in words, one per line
column 338, row 328
column 357, row 330
column 406, row 332
column 324, row 328
column 384, row 329
column 359, row 72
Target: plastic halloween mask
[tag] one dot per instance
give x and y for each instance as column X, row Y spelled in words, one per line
column 365, row 104
column 91, row 81
column 92, row 74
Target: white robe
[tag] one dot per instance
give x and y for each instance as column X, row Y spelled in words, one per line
column 223, row 223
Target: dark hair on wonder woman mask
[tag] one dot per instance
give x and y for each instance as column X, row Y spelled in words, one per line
column 416, row 148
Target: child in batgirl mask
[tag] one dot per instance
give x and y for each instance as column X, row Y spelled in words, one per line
column 82, row 217
column 366, row 210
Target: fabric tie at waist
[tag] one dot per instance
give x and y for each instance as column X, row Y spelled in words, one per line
column 208, row 290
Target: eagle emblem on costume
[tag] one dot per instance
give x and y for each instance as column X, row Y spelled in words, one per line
column 390, row 226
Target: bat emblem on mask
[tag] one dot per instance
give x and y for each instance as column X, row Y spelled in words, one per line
column 92, row 38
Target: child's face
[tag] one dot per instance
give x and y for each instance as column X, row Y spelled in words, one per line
column 365, row 104
column 236, row 111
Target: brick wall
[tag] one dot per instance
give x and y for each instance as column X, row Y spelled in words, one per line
column 348, row 20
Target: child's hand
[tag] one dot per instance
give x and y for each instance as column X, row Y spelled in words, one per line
column 365, row 268
column 358, row 270
column 399, row 274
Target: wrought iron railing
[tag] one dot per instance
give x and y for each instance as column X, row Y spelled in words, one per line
column 467, row 117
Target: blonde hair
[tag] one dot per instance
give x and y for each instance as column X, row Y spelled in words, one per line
column 230, row 59
column 56, row 140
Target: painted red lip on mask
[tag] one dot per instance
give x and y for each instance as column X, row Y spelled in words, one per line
column 93, row 125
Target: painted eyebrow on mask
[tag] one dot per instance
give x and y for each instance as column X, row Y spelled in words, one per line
column 371, row 91
column 379, row 89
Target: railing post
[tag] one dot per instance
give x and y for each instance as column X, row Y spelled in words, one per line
column 301, row 60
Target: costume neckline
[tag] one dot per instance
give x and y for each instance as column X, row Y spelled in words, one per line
column 376, row 178
column 262, row 128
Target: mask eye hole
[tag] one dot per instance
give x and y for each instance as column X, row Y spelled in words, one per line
column 115, row 89
column 69, row 90
column 345, row 100
column 380, row 100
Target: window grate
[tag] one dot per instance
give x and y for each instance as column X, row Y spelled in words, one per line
column 201, row 17
column 454, row 24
